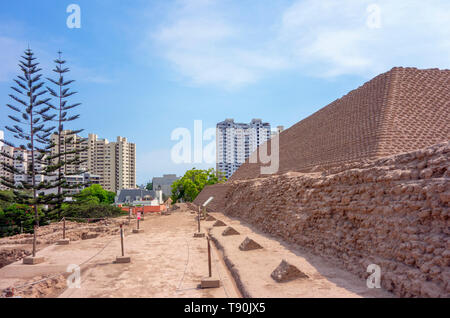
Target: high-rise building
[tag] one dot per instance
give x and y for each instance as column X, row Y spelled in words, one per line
column 69, row 142
column 235, row 142
column 9, row 152
column 114, row 162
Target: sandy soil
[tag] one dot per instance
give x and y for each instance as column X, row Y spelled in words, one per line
column 166, row 261
column 254, row 267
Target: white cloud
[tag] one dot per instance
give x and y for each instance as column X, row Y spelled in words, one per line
column 207, row 48
column 207, row 44
column 331, row 38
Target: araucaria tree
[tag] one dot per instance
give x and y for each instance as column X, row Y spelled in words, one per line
column 29, row 128
column 63, row 157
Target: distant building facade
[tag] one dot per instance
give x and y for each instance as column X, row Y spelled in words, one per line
column 235, row 142
column 113, row 162
column 110, row 164
column 164, row 183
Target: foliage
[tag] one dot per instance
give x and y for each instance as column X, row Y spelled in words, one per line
column 192, row 183
column 17, row 216
column 149, row 186
column 95, row 194
column 30, row 115
column 85, row 209
column 57, row 162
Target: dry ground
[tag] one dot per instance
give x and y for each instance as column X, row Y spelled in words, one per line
column 254, row 267
column 166, row 261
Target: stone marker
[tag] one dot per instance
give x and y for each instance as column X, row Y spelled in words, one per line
column 248, row 245
column 63, row 242
column 88, row 236
column 210, row 282
column 230, row 231
column 123, row 259
column 219, row 223
column 30, row 260
column 286, row 272
column 210, row 218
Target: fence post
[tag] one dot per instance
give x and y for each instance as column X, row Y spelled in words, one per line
column 209, row 257
column 64, row 228
column 121, row 240
column 34, row 240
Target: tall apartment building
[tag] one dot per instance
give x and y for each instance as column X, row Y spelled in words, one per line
column 235, row 142
column 114, row 162
column 3, row 173
column 70, row 142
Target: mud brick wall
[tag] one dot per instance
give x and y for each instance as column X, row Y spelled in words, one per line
column 399, row 111
column 393, row 212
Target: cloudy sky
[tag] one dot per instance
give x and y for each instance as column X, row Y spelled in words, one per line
column 145, row 68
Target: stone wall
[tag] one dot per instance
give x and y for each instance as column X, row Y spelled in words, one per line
column 393, row 212
column 402, row 110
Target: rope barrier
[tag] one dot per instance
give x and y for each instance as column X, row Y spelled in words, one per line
column 185, row 267
column 10, row 291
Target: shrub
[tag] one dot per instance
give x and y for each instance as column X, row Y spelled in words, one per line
column 91, row 211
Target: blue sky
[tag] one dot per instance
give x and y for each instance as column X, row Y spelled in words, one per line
column 145, row 68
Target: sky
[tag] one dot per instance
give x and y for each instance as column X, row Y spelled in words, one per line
column 145, row 68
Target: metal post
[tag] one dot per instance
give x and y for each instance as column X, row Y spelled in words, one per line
column 209, row 257
column 34, row 240
column 198, row 218
column 64, row 228
column 129, row 214
column 121, row 239
column 138, row 223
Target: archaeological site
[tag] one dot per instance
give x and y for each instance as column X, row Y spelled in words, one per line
column 364, row 180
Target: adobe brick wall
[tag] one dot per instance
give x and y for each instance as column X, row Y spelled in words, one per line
column 402, row 110
column 218, row 191
column 393, row 212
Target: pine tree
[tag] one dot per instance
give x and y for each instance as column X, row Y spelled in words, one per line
column 58, row 160
column 29, row 128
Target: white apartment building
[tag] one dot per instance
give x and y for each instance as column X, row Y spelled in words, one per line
column 70, row 142
column 235, row 142
column 113, row 164
column 5, row 160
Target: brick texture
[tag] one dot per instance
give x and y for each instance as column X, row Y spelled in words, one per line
column 402, row 110
column 393, row 212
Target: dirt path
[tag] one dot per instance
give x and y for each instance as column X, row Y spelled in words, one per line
column 166, row 261
column 254, row 267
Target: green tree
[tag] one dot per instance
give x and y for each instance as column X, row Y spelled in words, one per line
column 95, row 194
column 29, row 128
column 149, row 186
column 192, row 183
column 58, row 161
